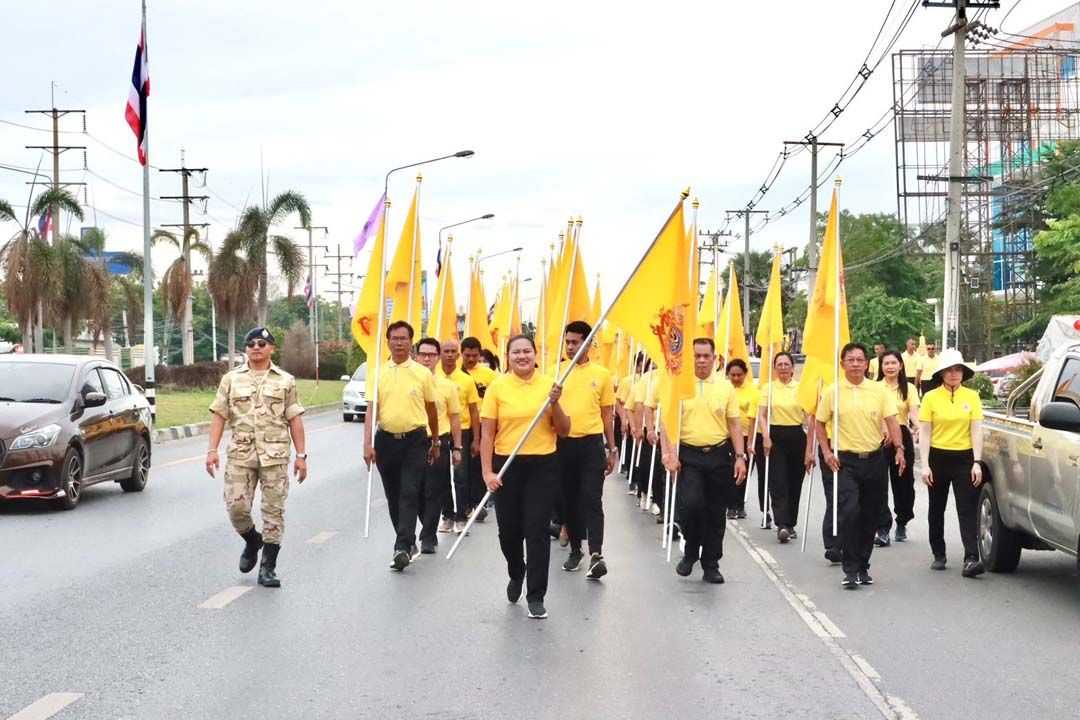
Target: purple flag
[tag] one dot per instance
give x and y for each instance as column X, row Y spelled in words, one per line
column 370, row 226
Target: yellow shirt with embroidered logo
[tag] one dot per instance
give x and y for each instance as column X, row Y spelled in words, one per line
column 483, row 376
column 950, row 415
column 863, row 407
column 587, row 389
column 403, row 391
column 911, row 364
column 447, row 403
column 785, row 402
column 467, row 393
column 903, row 407
column 749, row 397
column 513, row 403
column 705, row 416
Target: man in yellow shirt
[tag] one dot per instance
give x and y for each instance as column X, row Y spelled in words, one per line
column 588, row 454
column 875, row 362
column 858, row 460
column 483, row 376
column 469, row 396
column 928, row 365
column 401, row 448
column 911, row 359
column 702, row 466
column 436, row 485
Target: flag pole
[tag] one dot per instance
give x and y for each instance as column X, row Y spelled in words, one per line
column 577, row 356
column 652, row 460
column 574, row 250
column 149, row 356
column 674, row 488
column 836, row 362
column 542, row 313
column 442, row 300
column 413, row 250
column 373, row 409
column 810, row 491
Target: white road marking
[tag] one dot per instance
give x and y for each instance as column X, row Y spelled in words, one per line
column 890, row 707
column 766, row 556
column 47, row 706
column 224, row 597
column 322, row 537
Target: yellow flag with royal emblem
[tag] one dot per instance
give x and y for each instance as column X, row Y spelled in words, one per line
column 403, row 279
column 365, row 320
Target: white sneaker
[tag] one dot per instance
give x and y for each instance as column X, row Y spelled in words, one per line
column 682, row 544
column 643, row 504
column 655, row 509
column 459, row 527
column 447, row 525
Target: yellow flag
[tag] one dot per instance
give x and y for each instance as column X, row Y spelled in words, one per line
column 476, row 324
column 658, row 307
column 500, row 319
column 365, row 321
column 826, row 329
column 770, row 330
column 708, row 310
column 403, row 279
column 442, row 322
column 515, row 311
column 732, row 344
column 594, row 312
column 541, row 321
column 556, row 301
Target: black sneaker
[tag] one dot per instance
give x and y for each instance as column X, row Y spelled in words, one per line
column 513, row 591
column 401, row 560
column 792, row 534
column 481, row 515
column 938, row 564
column 536, row 610
column 685, row 567
column 850, row 582
column 783, row 535
column 881, row 539
column 414, row 553
column 712, row 575
column 901, row 533
column 833, row 555
column 597, row 568
column 427, row 547
column 741, row 513
column 768, row 522
column 864, row 578
column 732, row 514
column 972, row 568
column 573, row 563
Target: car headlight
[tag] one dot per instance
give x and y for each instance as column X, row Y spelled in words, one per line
column 40, row 438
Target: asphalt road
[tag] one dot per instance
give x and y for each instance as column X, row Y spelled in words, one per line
column 131, row 607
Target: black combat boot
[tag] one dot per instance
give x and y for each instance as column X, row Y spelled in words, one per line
column 267, row 578
column 250, row 556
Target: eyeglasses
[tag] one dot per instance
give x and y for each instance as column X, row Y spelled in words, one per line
column 428, row 354
column 260, row 343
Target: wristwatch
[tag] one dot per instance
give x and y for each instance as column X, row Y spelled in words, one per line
column 459, row 449
column 613, row 449
column 301, row 456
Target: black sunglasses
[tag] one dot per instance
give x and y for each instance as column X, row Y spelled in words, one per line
column 260, row 343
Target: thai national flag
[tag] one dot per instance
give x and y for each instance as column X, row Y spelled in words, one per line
column 307, row 292
column 140, row 90
column 45, row 224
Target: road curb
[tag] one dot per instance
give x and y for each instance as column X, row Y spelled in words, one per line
column 179, row 432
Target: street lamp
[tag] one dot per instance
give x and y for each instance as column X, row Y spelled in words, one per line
column 504, row 252
column 463, row 222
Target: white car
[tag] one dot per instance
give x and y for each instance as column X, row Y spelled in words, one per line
column 354, row 398
column 6, row 347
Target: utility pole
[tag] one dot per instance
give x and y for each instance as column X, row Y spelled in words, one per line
column 187, row 331
column 337, row 281
column 56, row 149
column 313, row 317
column 745, row 214
column 813, row 143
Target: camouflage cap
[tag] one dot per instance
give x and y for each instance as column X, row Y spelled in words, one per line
column 259, row 333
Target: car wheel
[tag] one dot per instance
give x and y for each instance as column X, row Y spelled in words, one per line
column 998, row 545
column 71, row 480
column 140, row 470
column 347, row 417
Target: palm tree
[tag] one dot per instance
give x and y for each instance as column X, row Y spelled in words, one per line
column 176, row 283
column 255, row 226
column 232, row 282
column 99, row 284
column 7, row 212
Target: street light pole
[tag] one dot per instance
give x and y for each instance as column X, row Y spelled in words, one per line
column 463, row 222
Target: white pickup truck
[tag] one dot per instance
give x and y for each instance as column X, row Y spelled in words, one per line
column 1032, row 455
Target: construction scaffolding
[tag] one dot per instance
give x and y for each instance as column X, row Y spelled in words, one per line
column 1020, row 104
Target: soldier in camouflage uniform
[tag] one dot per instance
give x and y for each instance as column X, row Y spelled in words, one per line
column 258, row 401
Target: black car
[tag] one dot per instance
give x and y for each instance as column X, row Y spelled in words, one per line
column 68, row 422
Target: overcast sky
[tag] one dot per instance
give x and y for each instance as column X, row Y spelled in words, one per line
column 604, row 109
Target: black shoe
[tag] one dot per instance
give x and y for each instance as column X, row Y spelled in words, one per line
column 712, row 575
column 401, row 560
column 685, row 566
column 768, row 522
column 427, row 547
column 414, row 553
column 481, row 515
column 938, row 564
column 553, row 530
column 881, row 539
column 741, row 513
column 783, row 535
column 792, row 535
column 536, row 610
column 850, row 582
column 267, row 578
column 573, row 563
column 972, row 568
column 833, row 555
column 252, row 544
column 901, row 533
column 597, row 568
column 732, row 514
column 864, row 578
column 513, row 590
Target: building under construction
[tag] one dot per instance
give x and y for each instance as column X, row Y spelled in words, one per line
column 1022, row 100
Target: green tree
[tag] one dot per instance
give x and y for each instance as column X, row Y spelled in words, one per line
column 177, row 281
column 99, row 285
column 232, row 282
column 256, row 226
column 877, row 316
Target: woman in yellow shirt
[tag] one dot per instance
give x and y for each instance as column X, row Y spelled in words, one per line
column 526, row 489
column 950, row 446
column 748, row 396
column 783, row 441
column 891, row 372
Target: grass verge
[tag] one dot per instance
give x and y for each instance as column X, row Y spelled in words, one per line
column 185, row 407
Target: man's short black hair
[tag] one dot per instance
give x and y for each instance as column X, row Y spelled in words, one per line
column 399, row 324
column 706, row 341
column 429, row 341
column 579, row 327
column 470, row 343
column 852, row 346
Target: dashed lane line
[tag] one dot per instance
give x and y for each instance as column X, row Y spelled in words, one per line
column 47, row 706
column 320, row 538
column 224, row 597
column 864, row 675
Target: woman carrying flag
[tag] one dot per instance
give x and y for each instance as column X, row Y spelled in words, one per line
column 748, row 396
column 783, row 442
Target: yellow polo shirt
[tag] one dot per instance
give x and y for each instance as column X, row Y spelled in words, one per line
column 623, row 388
column 749, row 397
column 929, row 366
column 903, row 407
column 403, row 391
column 705, row 416
column 646, row 386
column 872, row 368
column 447, row 403
column 950, row 415
column 911, row 364
column 786, row 409
column 863, row 407
column 513, row 403
column 483, row 376
column 588, row 388
column 467, row 393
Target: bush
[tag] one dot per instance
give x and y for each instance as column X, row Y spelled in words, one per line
column 1023, row 373
column 198, row 376
column 298, row 352
column 982, row 384
column 9, row 331
column 333, row 359
column 357, row 356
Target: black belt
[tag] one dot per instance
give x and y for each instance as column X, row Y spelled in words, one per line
column 707, row 448
column 404, row 435
column 859, row 455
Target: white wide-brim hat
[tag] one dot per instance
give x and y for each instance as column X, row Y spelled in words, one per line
column 952, row 358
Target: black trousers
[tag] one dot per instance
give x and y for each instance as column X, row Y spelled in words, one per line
column 758, row 467
column 953, row 467
column 903, row 487
column 434, row 490
column 582, row 462
column 641, row 473
column 828, row 539
column 523, row 510
column 862, row 486
column 619, row 440
column 461, row 481
column 786, row 472
column 475, row 483
column 704, row 488
column 402, row 462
